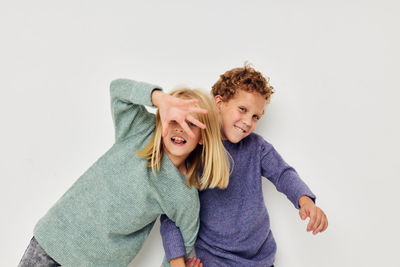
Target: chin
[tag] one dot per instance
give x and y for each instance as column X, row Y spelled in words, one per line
column 234, row 139
column 178, row 153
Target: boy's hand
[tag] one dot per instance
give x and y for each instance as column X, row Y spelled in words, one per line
column 194, row 262
column 176, row 109
column 318, row 220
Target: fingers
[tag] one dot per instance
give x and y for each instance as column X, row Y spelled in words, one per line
column 190, row 262
column 194, row 262
column 184, row 103
column 319, row 228
column 195, row 121
column 189, row 105
column 197, row 263
column 303, row 214
column 164, row 128
column 182, row 123
column 186, row 128
column 313, row 217
column 324, row 223
column 321, row 222
column 189, row 101
column 198, row 110
column 317, row 223
column 318, row 220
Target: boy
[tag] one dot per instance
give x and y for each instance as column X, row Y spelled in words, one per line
column 234, row 222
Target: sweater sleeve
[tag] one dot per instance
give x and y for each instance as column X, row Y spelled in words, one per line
column 188, row 221
column 128, row 113
column 283, row 176
column 172, row 239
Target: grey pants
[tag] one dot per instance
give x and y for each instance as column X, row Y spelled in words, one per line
column 35, row 256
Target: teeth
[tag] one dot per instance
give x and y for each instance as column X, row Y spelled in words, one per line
column 240, row 129
column 178, row 138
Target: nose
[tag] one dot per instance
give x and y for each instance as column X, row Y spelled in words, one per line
column 179, row 129
column 247, row 120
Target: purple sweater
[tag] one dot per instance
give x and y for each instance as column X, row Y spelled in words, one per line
column 234, row 222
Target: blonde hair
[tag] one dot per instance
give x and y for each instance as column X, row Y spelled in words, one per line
column 209, row 158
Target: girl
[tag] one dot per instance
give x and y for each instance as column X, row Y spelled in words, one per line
column 105, row 217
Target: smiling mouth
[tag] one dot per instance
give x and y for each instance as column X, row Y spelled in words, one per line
column 178, row 140
column 240, row 129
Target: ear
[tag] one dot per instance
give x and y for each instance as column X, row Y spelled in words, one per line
column 201, row 141
column 218, row 102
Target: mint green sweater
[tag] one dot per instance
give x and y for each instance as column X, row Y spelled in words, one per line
column 107, row 214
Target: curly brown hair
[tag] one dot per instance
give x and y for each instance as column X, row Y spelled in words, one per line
column 245, row 78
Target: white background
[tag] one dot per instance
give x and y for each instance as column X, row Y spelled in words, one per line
column 334, row 116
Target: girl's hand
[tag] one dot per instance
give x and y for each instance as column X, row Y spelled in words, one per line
column 177, row 262
column 318, row 220
column 176, row 109
column 194, row 262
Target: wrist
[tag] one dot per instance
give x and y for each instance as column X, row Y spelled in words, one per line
column 156, row 97
column 304, row 200
column 177, row 262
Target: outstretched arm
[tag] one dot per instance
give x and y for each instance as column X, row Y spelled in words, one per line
column 287, row 181
column 282, row 175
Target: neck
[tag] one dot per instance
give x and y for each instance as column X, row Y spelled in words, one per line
column 179, row 162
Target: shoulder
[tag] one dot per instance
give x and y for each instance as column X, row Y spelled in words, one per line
column 255, row 139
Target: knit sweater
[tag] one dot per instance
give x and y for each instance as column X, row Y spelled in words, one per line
column 234, row 223
column 105, row 217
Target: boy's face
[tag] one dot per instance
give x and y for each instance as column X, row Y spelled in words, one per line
column 240, row 114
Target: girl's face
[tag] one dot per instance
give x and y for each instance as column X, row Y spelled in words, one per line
column 177, row 144
column 240, row 115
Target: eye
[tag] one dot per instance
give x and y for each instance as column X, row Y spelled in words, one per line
column 191, row 124
column 256, row 117
column 243, row 109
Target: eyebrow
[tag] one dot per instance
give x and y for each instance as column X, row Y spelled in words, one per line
column 259, row 114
